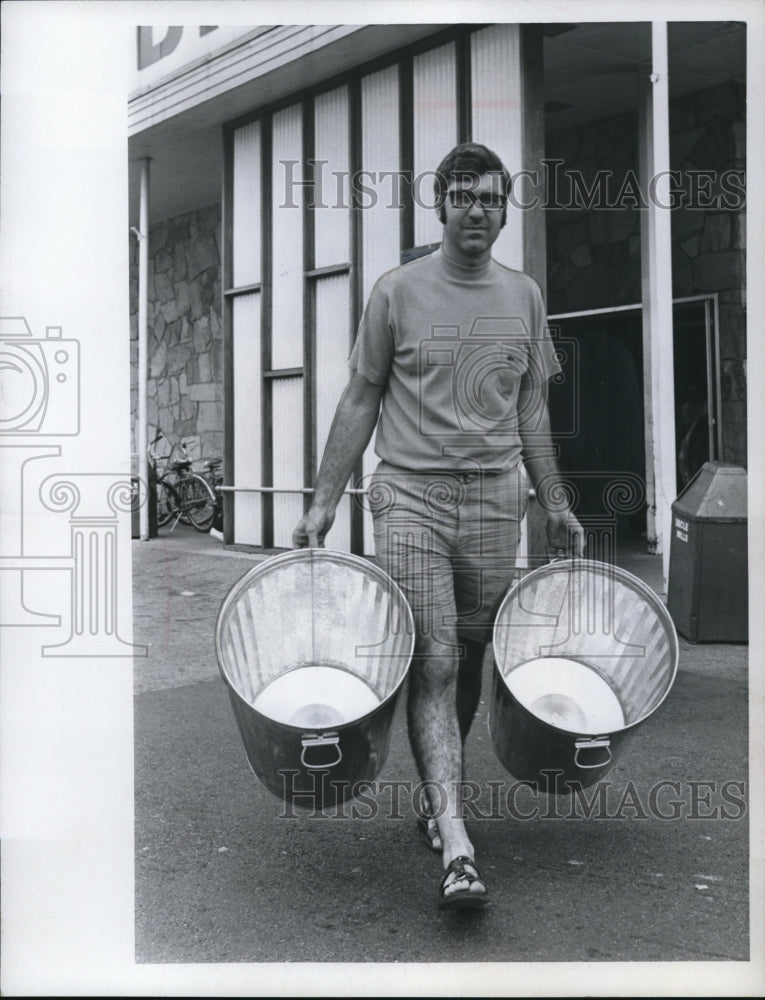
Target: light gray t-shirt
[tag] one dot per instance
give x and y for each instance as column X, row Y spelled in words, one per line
column 452, row 345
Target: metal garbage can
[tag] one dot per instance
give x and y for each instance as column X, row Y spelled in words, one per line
column 707, row 590
column 314, row 646
column 584, row 652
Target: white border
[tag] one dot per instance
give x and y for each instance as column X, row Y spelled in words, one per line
column 64, row 68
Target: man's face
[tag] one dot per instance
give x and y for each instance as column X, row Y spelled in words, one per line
column 473, row 217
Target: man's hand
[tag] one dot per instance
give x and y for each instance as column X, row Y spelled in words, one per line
column 312, row 528
column 565, row 535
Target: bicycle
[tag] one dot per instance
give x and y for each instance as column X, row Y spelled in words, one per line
column 214, row 477
column 182, row 494
column 165, row 506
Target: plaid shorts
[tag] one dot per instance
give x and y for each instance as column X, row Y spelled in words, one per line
column 449, row 540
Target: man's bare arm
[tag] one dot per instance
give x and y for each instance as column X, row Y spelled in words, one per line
column 352, row 427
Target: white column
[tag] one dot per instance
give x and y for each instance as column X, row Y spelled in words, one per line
column 143, row 348
column 656, row 264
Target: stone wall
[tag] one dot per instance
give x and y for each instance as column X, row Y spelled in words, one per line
column 709, row 247
column 594, row 253
column 185, row 340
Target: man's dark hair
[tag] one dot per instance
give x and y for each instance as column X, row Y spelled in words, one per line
column 465, row 164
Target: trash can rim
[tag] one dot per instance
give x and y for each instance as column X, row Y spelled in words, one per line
column 625, row 577
column 313, row 555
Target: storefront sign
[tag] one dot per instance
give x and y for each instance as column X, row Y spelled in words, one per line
column 163, row 50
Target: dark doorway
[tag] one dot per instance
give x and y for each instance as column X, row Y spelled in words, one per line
column 596, row 412
column 597, row 408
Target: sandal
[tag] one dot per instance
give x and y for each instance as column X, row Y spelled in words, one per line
column 462, row 898
column 427, row 825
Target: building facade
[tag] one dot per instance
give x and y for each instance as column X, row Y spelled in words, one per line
column 290, row 166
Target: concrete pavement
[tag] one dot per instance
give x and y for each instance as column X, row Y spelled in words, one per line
column 657, row 872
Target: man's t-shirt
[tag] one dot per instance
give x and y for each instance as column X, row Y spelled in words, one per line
column 452, row 345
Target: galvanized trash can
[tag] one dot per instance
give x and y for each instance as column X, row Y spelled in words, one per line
column 584, row 652
column 708, row 589
column 314, row 646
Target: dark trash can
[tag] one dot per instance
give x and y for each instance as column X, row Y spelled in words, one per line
column 708, row 591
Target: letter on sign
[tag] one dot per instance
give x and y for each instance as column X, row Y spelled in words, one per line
column 150, row 51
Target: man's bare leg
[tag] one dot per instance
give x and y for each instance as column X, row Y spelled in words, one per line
column 468, row 694
column 435, row 737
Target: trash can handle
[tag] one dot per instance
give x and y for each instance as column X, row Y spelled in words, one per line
column 325, row 740
column 601, row 742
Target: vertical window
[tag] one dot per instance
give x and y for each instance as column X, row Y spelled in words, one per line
column 246, row 216
column 331, row 153
column 247, row 417
column 330, row 281
column 497, row 118
column 244, row 310
column 435, row 131
column 381, row 208
column 287, row 456
column 287, row 239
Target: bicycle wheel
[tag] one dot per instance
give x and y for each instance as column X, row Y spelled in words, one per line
column 200, row 502
column 181, row 487
column 168, row 502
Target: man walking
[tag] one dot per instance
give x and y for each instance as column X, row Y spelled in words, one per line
column 451, row 364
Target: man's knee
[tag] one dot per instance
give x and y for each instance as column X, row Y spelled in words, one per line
column 433, row 669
